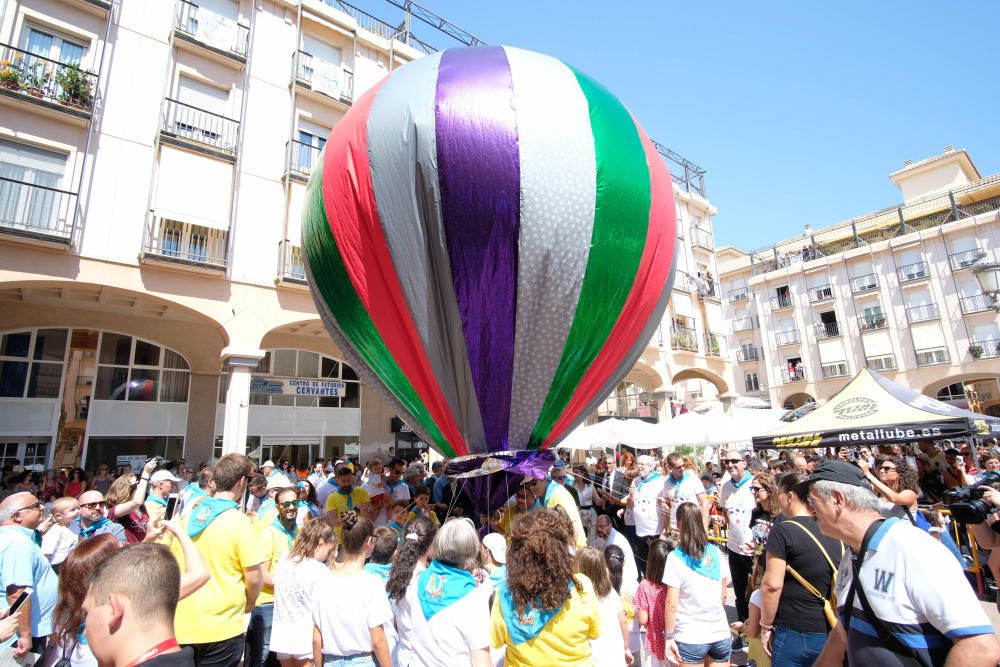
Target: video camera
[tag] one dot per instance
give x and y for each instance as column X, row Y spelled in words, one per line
column 162, row 463
column 967, row 504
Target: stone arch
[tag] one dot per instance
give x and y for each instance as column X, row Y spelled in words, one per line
column 309, row 334
column 645, row 376
column 933, row 388
column 797, row 400
column 702, row 374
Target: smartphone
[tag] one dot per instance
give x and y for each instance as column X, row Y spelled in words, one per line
column 25, row 594
column 171, row 507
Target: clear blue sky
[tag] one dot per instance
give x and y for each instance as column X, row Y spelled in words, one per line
column 799, row 111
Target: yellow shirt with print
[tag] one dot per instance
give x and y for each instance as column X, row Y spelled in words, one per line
column 565, row 639
column 275, row 543
column 338, row 504
column 229, row 545
column 560, row 497
column 430, row 514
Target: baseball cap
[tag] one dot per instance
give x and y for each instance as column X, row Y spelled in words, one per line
column 163, row 476
column 497, row 545
column 267, row 464
column 837, row 471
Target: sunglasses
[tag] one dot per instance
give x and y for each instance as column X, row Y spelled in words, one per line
column 730, row 462
column 887, row 469
column 100, row 505
column 288, row 504
column 32, row 506
column 756, row 489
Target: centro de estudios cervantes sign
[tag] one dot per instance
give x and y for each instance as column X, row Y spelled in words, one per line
column 297, row 387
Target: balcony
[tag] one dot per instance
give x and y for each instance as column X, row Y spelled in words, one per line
column 820, row 293
column 787, row 337
column 707, row 289
column 293, row 268
column 184, row 243
column 743, row 324
column 837, row 369
column 738, row 294
column 199, row 129
column 221, row 35
column 884, row 362
column 684, row 338
column 934, row 356
column 302, row 159
column 319, row 76
column 797, row 374
column 988, row 348
column 712, row 345
column 965, row 259
column 911, row 273
column 827, row 329
column 978, row 303
column 922, row 313
column 872, row 322
column 36, row 211
column 702, row 238
column 781, row 302
column 745, row 354
column 865, row 283
column 47, row 83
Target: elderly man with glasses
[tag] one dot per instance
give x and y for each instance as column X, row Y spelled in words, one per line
column 737, row 502
column 92, row 520
column 22, row 565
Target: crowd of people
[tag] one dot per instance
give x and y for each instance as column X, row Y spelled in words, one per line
column 617, row 559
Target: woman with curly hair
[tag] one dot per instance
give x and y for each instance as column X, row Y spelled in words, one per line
column 308, row 504
column 544, row 614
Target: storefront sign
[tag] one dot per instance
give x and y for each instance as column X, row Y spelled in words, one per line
column 295, row 387
column 136, row 462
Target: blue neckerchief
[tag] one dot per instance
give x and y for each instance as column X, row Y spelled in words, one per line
column 156, row 500
column 524, row 625
column 81, row 638
column 380, row 570
column 392, row 485
column 289, row 534
column 87, row 532
column 309, row 506
column 549, row 490
column 265, row 506
column 273, row 473
column 746, row 478
column 349, row 496
column 396, row 527
column 644, row 481
column 708, row 566
column 498, row 575
column 537, row 504
column 36, row 537
column 206, row 512
column 677, row 482
column 442, row 585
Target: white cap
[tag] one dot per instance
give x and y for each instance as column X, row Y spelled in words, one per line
column 267, row 464
column 163, row 476
column 278, row 481
column 497, row 545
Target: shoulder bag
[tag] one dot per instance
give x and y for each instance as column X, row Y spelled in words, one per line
column 829, row 603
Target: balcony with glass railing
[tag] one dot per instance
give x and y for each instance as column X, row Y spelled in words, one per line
column 199, row 129
column 184, row 243
column 965, row 259
column 332, row 80
column 882, row 362
column 53, row 84
column 924, row 313
column 986, row 348
column 872, row 322
column 827, row 329
column 684, row 338
column 712, row 346
column 820, row 293
column 201, row 26
column 781, row 302
column 302, row 158
column 293, row 268
column 743, row 324
column 702, row 238
column 36, row 211
column 909, row 273
column 977, row 303
column 745, row 354
column 790, row 337
column 797, row 374
column 864, row 283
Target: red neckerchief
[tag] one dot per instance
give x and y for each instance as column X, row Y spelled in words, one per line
column 162, row 647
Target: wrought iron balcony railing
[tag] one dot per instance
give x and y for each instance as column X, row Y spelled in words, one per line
column 922, row 313
column 322, row 77
column 909, row 273
column 712, row 348
column 965, row 259
column 302, row 157
column 820, row 293
column 864, row 283
column 827, row 329
column 987, row 348
column 294, row 265
column 790, row 337
column 213, row 30
column 702, row 238
column 747, row 354
column 797, row 374
column 684, row 338
column 743, row 324
column 739, row 294
column 191, row 124
column 45, row 79
column 36, row 210
column 977, row 303
column 781, row 301
column 872, row 322
column 184, row 243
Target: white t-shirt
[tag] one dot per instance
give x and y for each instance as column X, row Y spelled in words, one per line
column 914, row 583
column 323, row 492
column 450, row 636
column 739, row 503
column 295, row 583
column 57, row 542
column 684, row 490
column 701, row 618
column 630, row 573
column 609, row 647
column 645, row 510
column 346, row 610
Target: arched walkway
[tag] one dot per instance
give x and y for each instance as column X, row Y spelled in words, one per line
column 701, row 374
column 797, row 400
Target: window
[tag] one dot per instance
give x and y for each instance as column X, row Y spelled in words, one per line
column 835, row 370
column 312, row 138
column 751, row 382
column 302, row 364
column 54, row 47
column 31, row 363
column 932, row 357
column 882, row 363
column 25, row 174
column 199, row 97
column 130, row 369
column 953, row 392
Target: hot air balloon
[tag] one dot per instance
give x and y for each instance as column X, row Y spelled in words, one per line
column 489, row 238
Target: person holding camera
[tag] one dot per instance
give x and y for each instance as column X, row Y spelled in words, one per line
column 988, row 532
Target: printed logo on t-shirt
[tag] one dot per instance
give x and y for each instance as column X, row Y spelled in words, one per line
column 883, row 580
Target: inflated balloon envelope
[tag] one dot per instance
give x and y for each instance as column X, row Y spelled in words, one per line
column 489, row 238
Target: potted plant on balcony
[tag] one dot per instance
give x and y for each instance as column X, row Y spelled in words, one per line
column 976, row 350
column 74, row 87
column 12, row 73
column 713, row 346
column 36, row 77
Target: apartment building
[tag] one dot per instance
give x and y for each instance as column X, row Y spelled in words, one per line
column 892, row 290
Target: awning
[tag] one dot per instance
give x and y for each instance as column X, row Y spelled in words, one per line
column 872, row 410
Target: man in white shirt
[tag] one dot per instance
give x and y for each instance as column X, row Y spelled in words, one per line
column 605, row 535
column 644, row 501
column 737, row 502
column 682, row 486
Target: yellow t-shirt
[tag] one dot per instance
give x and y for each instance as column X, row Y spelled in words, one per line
column 507, row 518
column 430, row 514
column 338, row 504
column 565, row 639
column 275, row 543
column 560, row 497
column 215, row 611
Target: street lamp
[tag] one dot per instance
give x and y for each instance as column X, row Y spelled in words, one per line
column 988, row 275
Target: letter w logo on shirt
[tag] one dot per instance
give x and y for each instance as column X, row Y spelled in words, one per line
column 883, row 580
